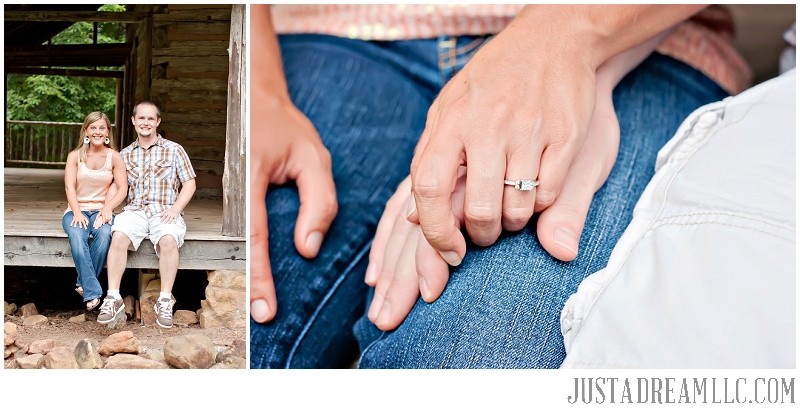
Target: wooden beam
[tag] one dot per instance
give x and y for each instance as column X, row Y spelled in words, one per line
column 234, row 181
column 194, row 254
column 66, row 72
column 83, row 55
column 74, row 16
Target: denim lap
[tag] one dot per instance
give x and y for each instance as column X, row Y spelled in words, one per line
column 368, row 102
column 89, row 248
column 501, row 307
column 368, row 110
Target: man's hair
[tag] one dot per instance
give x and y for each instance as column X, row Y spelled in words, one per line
column 158, row 111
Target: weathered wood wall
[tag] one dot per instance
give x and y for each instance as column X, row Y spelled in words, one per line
column 234, row 180
column 182, row 65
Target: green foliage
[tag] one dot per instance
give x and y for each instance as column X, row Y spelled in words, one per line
column 67, row 99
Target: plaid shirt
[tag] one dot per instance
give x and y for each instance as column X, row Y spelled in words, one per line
column 154, row 175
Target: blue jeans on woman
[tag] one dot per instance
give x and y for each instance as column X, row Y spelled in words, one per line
column 89, row 257
column 501, row 307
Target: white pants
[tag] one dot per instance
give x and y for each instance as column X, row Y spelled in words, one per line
column 704, row 277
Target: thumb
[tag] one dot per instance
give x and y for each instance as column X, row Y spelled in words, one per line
column 560, row 226
column 318, row 207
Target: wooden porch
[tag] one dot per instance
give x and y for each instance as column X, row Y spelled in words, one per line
column 34, row 205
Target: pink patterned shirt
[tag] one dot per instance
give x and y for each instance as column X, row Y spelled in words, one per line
column 705, row 41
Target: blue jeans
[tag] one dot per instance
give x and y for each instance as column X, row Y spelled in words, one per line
column 500, row 309
column 89, row 257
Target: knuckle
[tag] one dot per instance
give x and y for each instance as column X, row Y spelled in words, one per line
column 428, row 188
column 545, row 197
column 481, row 216
column 517, row 215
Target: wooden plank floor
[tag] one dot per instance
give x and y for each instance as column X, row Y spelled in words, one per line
column 35, row 202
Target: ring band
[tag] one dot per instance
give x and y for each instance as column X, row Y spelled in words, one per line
column 522, row 185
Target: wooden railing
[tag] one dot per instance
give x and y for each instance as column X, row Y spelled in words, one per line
column 40, row 144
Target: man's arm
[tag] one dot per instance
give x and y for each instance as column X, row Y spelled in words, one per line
column 187, row 191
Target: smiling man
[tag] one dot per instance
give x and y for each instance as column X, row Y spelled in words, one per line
column 161, row 181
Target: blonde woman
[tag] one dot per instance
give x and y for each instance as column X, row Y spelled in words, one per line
column 92, row 169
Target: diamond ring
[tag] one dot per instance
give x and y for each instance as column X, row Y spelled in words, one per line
column 523, row 185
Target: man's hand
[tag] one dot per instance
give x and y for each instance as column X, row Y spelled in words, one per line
column 170, row 216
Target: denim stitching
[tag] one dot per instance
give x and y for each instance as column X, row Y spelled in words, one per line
column 324, row 301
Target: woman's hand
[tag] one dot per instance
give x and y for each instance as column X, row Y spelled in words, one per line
column 402, row 265
column 79, row 220
column 285, row 146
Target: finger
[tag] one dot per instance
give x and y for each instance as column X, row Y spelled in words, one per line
column 566, row 137
column 523, row 164
column 403, row 289
column 484, row 193
column 393, row 209
column 389, row 265
column 433, row 179
column 432, row 270
column 560, row 226
column 263, row 302
column 318, row 206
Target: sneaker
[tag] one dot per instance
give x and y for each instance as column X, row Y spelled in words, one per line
column 110, row 310
column 92, row 304
column 163, row 308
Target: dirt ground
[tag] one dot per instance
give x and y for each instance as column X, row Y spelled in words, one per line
column 151, row 337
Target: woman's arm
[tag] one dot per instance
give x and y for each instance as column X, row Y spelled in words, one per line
column 284, row 145
column 71, row 187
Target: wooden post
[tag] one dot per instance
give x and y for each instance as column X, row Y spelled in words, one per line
column 234, row 214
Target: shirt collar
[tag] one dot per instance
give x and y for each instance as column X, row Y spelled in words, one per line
column 159, row 142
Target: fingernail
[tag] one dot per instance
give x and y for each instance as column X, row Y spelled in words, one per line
column 385, row 315
column 259, row 309
column 423, row 289
column 375, row 308
column 369, row 277
column 314, row 241
column 566, row 239
column 412, row 206
column 451, row 258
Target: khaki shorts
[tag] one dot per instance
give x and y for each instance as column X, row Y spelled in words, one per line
column 138, row 226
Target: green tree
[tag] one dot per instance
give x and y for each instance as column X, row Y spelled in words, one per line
column 61, row 98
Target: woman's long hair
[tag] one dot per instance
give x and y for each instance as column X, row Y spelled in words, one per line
column 91, row 118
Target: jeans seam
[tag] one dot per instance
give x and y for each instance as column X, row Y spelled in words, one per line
column 313, row 317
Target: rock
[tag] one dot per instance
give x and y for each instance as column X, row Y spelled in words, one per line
column 231, row 362
column 129, row 303
column 10, row 333
column 155, row 355
column 184, row 318
column 28, row 309
column 9, row 350
column 228, row 279
column 122, row 342
column 35, row 320
column 10, row 364
column 147, row 300
column 132, row 361
column 86, row 354
column 60, row 357
column 223, row 308
column 190, row 351
column 9, row 309
column 233, row 357
column 31, row 361
column 41, row 346
column 79, row 318
column 233, row 353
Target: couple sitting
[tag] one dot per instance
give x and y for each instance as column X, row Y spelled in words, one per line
column 97, row 178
